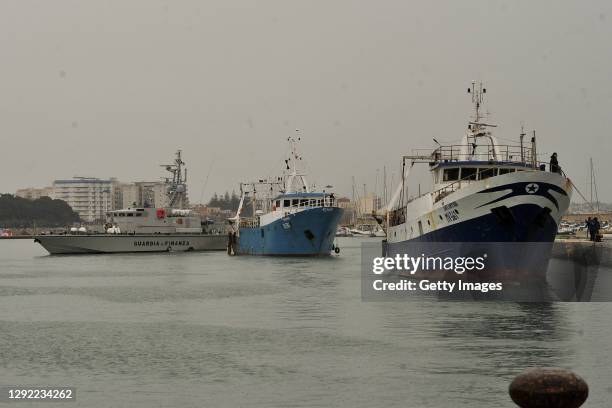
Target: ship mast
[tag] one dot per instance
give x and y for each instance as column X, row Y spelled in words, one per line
column 292, row 170
column 476, row 128
column 477, row 98
column 177, row 188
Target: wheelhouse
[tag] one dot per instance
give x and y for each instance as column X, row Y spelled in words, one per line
column 297, row 201
column 474, row 171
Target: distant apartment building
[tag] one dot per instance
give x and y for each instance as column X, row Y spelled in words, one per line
column 344, row 202
column 91, row 198
column 32, row 193
column 144, row 194
column 369, row 203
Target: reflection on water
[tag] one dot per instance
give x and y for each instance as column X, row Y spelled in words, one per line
column 203, row 329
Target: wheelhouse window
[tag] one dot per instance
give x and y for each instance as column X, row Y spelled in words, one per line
column 505, row 171
column 303, row 202
column 486, row 173
column 468, row 173
column 278, row 203
column 295, row 202
column 287, row 203
column 451, row 175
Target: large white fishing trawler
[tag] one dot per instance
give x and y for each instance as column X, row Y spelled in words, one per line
column 170, row 228
column 483, row 192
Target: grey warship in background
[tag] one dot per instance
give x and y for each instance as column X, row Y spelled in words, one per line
column 163, row 229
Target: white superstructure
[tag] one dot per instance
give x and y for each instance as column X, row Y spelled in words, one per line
column 482, row 191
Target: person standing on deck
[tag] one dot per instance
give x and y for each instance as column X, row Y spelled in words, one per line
column 554, row 164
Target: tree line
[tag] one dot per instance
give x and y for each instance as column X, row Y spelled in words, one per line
column 226, row 201
column 17, row 212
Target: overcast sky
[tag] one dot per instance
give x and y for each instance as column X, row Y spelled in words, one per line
column 113, row 88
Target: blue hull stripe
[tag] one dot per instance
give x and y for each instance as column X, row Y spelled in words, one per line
column 525, row 223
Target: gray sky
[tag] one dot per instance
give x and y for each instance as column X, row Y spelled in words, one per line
column 112, row 88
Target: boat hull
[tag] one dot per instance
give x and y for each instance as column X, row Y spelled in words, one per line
column 517, row 207
column 514, row 218
column 138, row 243
column 307, row 233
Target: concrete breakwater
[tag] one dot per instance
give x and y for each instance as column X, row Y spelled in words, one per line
column 580, row 271
column 584, row 252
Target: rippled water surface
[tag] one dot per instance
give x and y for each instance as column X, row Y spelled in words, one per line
column 208, row 330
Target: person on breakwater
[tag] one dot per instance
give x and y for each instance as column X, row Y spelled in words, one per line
column 596, row 228
column 589, row 225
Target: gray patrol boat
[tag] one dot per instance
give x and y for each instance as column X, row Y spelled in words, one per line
column 164, row 229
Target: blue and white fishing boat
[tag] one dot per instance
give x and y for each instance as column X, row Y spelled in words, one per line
column 287, row 217
column 483, row 192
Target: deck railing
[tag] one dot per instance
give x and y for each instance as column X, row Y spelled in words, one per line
column 302, row 203
column 503, row 153
column 254, row 222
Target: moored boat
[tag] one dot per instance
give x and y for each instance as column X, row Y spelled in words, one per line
column 483, row 193
column 288, row 218
column 344, row 232
column 173, row 228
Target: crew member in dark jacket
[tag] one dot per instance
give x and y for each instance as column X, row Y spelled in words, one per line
column 554, row 164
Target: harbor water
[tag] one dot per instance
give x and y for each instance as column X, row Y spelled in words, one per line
column 203, row 329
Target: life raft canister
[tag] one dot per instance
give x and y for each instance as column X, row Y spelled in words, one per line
column 161, row 213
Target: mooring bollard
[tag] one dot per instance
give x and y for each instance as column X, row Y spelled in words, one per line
column 548, row 388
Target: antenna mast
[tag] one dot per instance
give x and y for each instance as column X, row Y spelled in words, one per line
column 292, row 172
column 177, row 190
column 477, row 98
